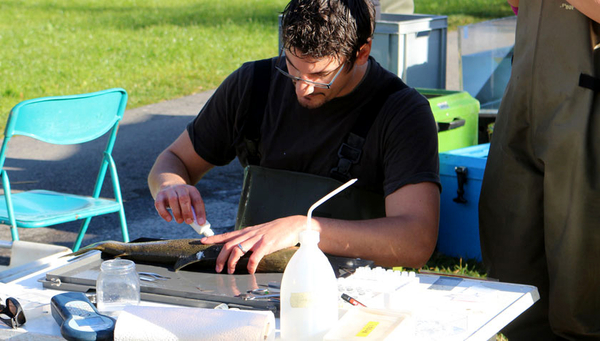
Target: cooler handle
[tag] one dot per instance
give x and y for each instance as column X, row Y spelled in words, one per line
column 461, row 177
column 444, row 126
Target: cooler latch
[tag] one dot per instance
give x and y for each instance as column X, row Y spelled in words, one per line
column 461, row 177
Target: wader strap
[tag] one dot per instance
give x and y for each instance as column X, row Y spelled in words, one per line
column 589, row 82
column 260, row 93
column 351, row 150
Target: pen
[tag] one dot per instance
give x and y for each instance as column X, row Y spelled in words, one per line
column 351, row 300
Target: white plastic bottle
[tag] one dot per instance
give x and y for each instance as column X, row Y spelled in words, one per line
column 309, row 294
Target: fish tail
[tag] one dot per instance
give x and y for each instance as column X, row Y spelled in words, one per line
column 101, row 246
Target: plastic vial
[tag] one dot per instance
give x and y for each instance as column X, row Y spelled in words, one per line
column 203, row 229
column 117, row 286
column 309, row 292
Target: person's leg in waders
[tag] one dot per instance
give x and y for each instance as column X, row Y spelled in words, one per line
column 511, row 225
column 540, row 199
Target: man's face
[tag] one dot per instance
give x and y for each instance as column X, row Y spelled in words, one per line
column 322, row 71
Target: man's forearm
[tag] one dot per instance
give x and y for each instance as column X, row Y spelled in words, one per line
column 167, row 169
column 390, row 241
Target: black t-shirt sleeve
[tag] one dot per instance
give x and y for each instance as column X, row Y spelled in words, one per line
column 214, row 131
column 410, row 142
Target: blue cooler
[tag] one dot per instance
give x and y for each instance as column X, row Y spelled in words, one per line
column 461, row 173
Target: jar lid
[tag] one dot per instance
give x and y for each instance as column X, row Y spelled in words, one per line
column 118, row 265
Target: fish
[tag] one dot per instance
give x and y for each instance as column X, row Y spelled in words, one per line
column 180, row 253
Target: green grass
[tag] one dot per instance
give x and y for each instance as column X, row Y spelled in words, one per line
column 440, row 263
column 464, row 12
column 155, row 49
column 455, row 266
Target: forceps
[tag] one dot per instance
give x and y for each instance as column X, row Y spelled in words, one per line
column 152, row 277
column 253, row 295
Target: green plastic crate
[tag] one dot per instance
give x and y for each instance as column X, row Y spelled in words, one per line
column 457, row 116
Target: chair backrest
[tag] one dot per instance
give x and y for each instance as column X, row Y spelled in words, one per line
column 67, row 119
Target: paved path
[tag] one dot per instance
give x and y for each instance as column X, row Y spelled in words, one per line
column 143, row 134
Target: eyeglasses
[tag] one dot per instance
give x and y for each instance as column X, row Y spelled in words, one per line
column 12, row 313
column 313, row 83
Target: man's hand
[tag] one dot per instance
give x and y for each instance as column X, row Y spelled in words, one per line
column 171, row 181
column 180, row 199
column 260, row 239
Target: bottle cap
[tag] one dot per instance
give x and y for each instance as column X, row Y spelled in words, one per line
column 309, row 237
column 203, row 229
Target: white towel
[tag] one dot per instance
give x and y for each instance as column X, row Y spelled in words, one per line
column 184, row 323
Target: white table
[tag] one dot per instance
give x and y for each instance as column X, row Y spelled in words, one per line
column 451, row 308
column 441, row 307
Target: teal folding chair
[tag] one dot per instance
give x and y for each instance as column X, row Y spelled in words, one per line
column 64, row 120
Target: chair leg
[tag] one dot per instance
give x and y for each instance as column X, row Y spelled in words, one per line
column 124, row 230
column 14, row 233
column 118, row 197
column 8, row 200
column 82, row 230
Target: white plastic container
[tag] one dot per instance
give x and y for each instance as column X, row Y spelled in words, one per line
column 309, row 295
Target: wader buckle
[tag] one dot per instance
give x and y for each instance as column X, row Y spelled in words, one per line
column 349, row 154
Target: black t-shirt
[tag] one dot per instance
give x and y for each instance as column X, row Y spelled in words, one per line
column 400, row 148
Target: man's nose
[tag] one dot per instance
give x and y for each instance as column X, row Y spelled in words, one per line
column 303, row 88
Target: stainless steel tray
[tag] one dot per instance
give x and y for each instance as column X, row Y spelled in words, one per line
column 187, row 288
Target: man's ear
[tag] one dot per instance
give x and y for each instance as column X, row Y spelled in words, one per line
column 364, row 52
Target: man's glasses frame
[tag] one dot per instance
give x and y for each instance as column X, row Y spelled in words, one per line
column 12, row 313
column 313, row 83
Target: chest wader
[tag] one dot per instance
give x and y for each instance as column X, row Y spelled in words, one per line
column 268, row 194
column 540, row 200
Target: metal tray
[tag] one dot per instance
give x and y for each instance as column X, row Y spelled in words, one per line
column 187, row 288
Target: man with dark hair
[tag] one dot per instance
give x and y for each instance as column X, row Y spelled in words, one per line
column 322, row 110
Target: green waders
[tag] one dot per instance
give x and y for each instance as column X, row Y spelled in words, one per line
column 268, row 194
column 540, row 200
